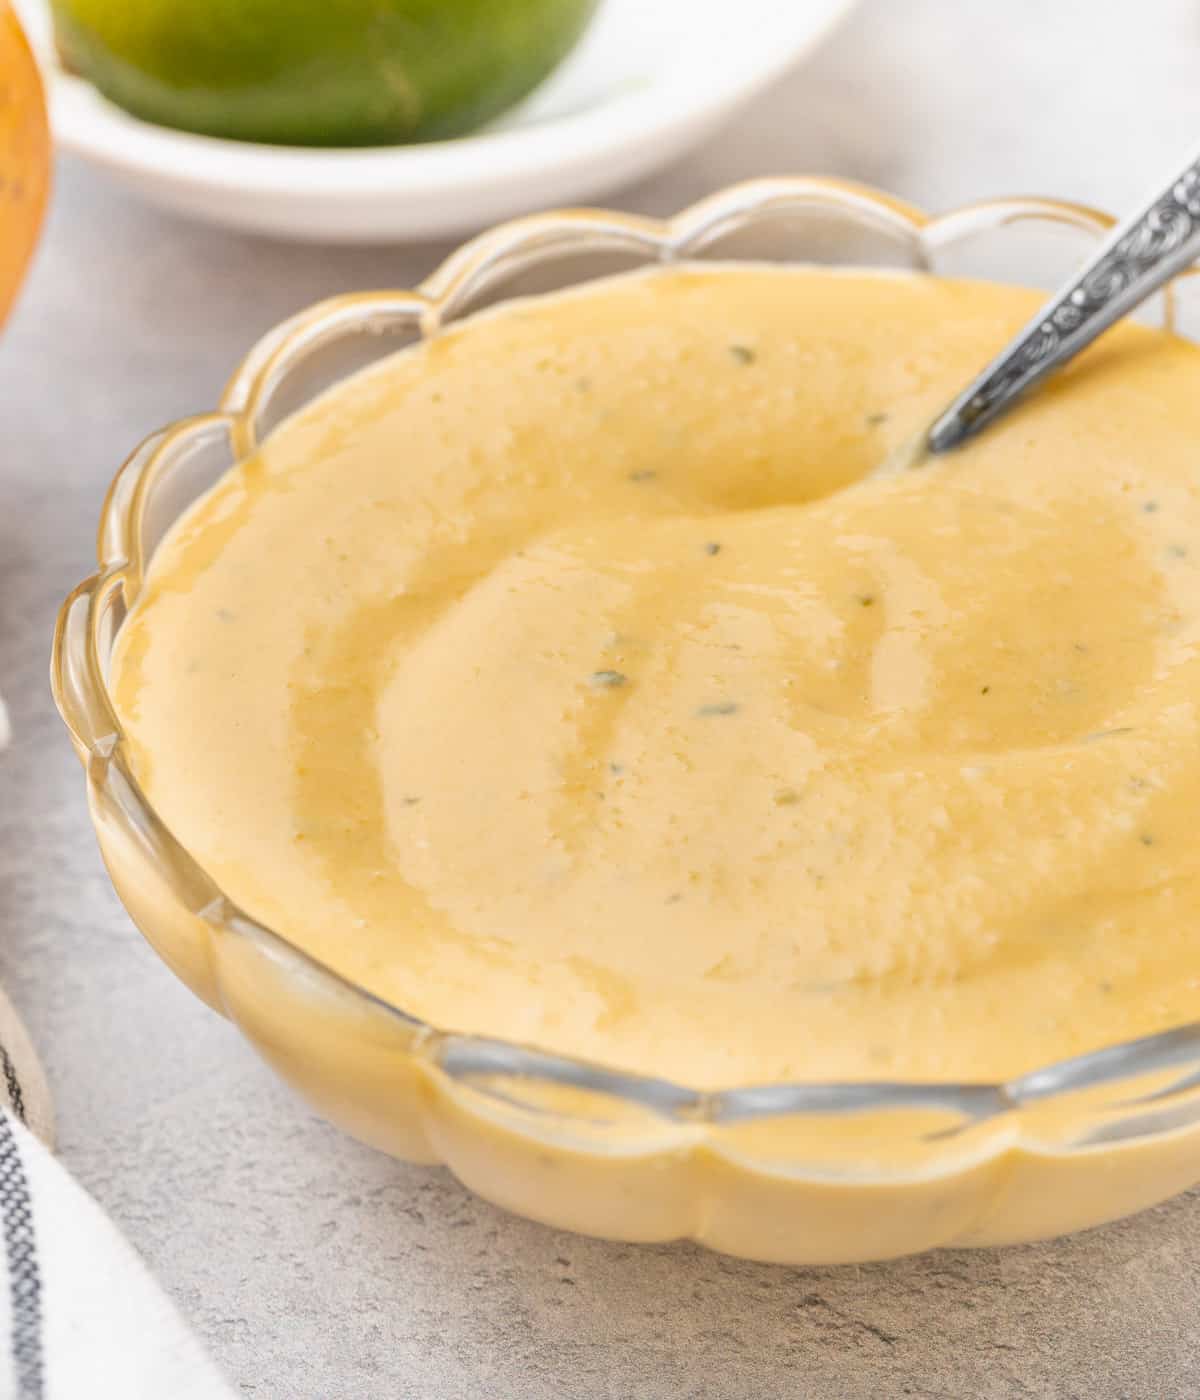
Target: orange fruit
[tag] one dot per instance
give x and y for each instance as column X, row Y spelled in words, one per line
column 24, row 155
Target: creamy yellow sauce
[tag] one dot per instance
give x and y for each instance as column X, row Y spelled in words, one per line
column 570, row 680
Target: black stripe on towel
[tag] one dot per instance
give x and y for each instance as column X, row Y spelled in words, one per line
column 12, row 1084
column 24, row 1276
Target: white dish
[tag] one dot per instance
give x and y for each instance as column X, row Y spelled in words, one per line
column 650, row 79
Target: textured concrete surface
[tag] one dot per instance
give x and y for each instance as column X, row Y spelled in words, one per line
column 313, row 1267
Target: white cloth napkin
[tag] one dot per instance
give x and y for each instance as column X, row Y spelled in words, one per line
column 79, row 1315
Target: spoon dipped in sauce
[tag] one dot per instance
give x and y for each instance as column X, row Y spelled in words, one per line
column 1139, row 256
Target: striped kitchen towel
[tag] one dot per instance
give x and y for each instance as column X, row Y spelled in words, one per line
column 79, row 1314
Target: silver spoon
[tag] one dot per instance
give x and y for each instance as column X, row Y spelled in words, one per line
column 1141, row 254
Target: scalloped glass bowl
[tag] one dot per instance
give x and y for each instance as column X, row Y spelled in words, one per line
column 797, row 1173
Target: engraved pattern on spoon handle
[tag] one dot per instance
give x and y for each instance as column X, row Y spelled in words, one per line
column 1137, row 258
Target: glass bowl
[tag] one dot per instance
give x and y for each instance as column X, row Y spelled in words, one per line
column 800, row 1173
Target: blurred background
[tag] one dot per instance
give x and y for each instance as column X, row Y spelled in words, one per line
column 311, row 1266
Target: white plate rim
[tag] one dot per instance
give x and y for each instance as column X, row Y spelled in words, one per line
column 630, row 131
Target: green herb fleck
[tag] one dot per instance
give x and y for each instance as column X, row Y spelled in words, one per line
column 722, row 707
column 674, row 898
column 643, row 474
column 743, row 354
column 616, row 769
column 712, row 547
column 1146, row 839
column 1178, row 551
column 583, row 384
column 874, row 420
column 1149, row 507
column 865, row 600
column 607, row 680
column 411, row 801
column 985, row 690
column 786, row 797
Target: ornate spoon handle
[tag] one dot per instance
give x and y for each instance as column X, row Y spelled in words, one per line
column 1137, row 258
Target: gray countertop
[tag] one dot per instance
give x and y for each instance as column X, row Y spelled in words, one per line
column 311, row 1266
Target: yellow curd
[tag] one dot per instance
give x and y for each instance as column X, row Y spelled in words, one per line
column 571, row 679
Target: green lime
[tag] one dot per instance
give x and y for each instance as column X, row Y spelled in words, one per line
column 318, row 72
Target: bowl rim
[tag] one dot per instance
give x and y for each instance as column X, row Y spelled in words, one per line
column 80, row 689
column 358, row 194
